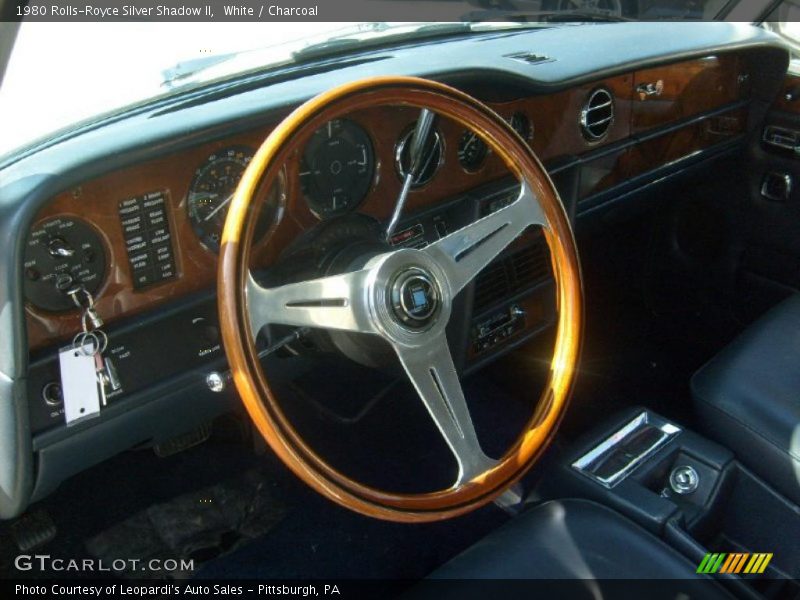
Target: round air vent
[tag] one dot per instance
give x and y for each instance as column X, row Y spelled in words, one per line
column 597, row 115
column 432, row 157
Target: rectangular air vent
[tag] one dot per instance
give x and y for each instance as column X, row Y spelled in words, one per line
column 530, row 57
column 512, row 274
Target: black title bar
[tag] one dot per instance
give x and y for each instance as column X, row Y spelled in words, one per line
column 238, row 11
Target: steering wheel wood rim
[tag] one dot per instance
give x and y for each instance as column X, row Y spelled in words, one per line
column 287, row 139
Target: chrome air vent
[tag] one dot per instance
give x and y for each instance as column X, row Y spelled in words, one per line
column 597, row 115
column 530, row 57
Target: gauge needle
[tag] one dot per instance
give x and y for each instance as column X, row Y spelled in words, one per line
column 219, row 208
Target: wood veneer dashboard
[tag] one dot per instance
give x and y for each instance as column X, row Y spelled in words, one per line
column 679, row 92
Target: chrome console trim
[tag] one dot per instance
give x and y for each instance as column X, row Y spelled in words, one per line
column 595, row 457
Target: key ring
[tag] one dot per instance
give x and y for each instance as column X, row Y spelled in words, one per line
column 75, row 291
column 99, row 342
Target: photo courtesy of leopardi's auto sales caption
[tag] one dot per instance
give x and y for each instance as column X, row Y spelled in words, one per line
column 188, row 590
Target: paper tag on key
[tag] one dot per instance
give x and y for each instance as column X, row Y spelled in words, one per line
column 79, row 383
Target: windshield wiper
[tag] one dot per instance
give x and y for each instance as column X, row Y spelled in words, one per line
column 187, row 68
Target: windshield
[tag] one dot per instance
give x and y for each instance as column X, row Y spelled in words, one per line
column 62, row 74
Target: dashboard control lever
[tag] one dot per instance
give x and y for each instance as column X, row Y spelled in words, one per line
column 294, row 336
column 217, row 382
column 420, row 135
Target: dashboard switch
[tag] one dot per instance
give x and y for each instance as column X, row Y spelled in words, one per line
column 207, row 331
column 60, row 248
column 215, row 382
column 211, row 334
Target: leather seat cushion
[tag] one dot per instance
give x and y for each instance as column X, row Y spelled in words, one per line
column 579, row 540
column 748, row 397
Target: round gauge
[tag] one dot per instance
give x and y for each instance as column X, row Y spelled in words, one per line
column 522, row 125
column 60, row 254
column 212, row 190
column 337, row 168
column 432, row 157
column 472, row 151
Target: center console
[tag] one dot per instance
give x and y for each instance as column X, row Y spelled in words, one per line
column 692, row 493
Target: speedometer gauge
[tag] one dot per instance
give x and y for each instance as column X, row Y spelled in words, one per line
column 337, row 168
column 212, row 190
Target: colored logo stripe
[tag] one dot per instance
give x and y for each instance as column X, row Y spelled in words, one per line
column 759, row 562
column 735, row 562
column 711, row 563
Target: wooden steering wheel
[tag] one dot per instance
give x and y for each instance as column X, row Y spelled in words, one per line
column 405, row 296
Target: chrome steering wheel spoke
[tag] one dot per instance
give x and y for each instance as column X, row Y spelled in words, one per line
column 433, row 374
column 334, row 302
column 467, row 251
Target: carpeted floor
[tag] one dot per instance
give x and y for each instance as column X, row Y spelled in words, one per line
column 220, row 499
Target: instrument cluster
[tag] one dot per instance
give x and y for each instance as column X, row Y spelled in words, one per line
column 340, row 165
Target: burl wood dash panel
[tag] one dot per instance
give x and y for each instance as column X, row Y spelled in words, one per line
column 612, row 169
column 682, row 90
column 556, row 133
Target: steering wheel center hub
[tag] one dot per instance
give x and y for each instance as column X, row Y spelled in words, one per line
column 415, row 298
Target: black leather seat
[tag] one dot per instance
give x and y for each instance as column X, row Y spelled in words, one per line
column 748, row 397
column 584, row 542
